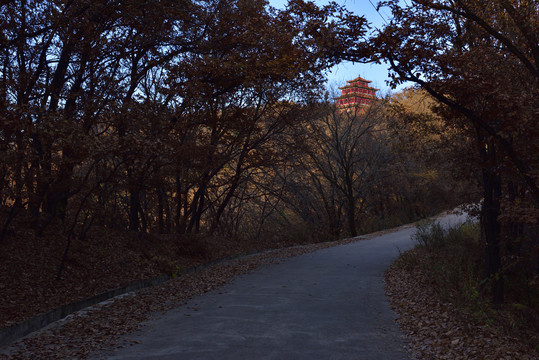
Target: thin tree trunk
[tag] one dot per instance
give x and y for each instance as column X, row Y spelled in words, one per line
column 10, row 217
column 143, row 210
column 351, row 204
column 196, row 210
column 134, row 209
column 167, row 213
column 178, row 221
column 490, row 223
column 160, row 211
column 352, row 217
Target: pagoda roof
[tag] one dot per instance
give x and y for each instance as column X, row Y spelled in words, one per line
column 359, row 78
column 358, row 86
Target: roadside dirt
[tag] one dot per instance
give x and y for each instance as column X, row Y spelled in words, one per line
column 100, row 326
column 438, row 330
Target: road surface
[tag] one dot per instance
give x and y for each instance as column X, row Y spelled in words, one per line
column 325, row 305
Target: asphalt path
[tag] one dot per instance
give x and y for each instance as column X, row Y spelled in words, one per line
column 329, row 304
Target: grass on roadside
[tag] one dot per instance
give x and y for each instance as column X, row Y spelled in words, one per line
column 453, row 261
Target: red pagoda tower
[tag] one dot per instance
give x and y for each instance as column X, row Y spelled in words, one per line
column 355, row 95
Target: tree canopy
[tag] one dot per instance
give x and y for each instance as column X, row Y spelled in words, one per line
column 480, row 61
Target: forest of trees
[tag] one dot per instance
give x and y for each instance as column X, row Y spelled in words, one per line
column 210, row 117
column 185, row 117
column 147, row 115
column 480, row 61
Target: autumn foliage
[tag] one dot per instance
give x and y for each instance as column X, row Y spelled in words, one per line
column 148, row 115
column 176, row 126
column 480, row 61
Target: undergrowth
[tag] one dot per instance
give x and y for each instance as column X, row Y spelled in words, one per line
column 452, row 258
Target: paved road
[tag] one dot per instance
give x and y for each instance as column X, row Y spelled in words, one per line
column 325, row 305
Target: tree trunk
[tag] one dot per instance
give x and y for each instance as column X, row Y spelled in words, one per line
column 491, row 225
column 143, row 210
column 224, row 204
column 160, row 211
column 352, row 216
column 167, row 213
column 134, row 209
column 197, row 207
column 351, row 211
column 10, row 217
column 179, row 220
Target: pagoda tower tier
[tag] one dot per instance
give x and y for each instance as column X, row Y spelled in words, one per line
column 356, row 94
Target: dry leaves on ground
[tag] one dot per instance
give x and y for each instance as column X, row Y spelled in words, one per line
column 437, row 330
column 101, row 326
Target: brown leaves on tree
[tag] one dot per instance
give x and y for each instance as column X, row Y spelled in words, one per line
column 480, row 61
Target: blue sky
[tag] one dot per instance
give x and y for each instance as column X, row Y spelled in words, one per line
column 347, row 70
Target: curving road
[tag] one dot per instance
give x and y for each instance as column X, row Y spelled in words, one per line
column 325, row 305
